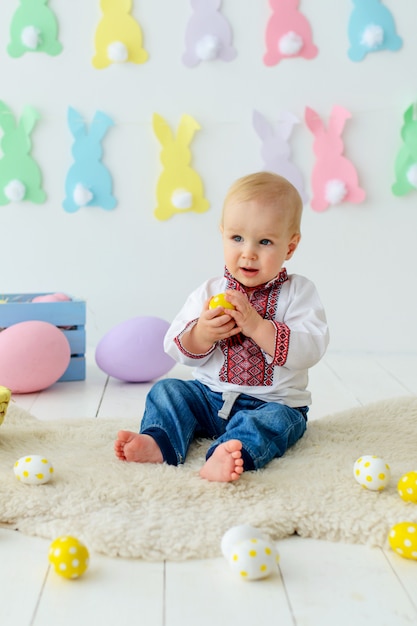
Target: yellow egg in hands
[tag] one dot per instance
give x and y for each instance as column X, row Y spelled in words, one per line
column 69, row 556
column 220, row 300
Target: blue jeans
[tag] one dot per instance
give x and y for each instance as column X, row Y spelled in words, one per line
column 178, row 411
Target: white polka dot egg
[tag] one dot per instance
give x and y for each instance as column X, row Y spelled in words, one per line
column 249, row 553
column 403, row 539
column 372, row 472
column 33, row 469
column 253, row 559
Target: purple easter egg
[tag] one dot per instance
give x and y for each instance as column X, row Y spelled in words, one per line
column 133, row 350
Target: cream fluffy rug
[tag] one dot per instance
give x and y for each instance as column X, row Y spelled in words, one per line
column 161, row 512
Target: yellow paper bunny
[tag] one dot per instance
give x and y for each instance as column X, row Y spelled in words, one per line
column 118, row 36
column 179, row 188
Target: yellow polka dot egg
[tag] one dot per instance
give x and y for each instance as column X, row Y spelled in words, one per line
column 403, row 539
column 69, row 556
column 33, row 469
column 372, row 472
column 407, row 487
column 250, row 555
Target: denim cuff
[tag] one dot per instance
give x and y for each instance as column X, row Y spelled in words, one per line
column 163, row 442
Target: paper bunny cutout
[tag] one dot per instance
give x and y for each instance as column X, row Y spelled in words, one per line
column 88, row 182
column 334, row 178
column 118, row 36
column 288, row 33
column 208, row 35
column 371, row 28
column 276, row 151
column 179, row 188
column 20, row 176
column 33, row 29
column 406, row 160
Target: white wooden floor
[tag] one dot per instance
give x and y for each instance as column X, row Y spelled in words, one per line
column 319, row 584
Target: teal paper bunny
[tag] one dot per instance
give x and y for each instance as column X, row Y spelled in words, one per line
column 88, row 181
column 20, row 176
column 371, row 29
column 33, row 29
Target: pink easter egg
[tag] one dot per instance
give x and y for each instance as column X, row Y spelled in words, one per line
column 33, row 356
column 133, row 350
column 52, row 297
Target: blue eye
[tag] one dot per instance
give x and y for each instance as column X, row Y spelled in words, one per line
column 237, row 238
column 265, row 242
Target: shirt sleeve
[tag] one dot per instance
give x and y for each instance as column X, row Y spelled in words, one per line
column 307, row 337
column 185, row 319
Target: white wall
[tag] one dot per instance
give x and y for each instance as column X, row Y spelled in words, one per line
column 127, row 263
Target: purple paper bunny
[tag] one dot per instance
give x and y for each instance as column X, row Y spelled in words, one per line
column 276, row 152
column 208, row 35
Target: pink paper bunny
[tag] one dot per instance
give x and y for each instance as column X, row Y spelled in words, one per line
column 276, row 151
column 334, row 178
column 288, row 33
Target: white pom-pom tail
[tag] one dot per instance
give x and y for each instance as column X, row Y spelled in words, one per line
column 182, row 199
column 208, row 48
column 290, row 43
column 31, row 37
column 81, row 195
column 117, row 52
column 15, row 191
column 412, row 175
column 335, row 191
column 372, row 36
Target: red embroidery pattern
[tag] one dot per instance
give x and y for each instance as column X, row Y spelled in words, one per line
column 244, row 362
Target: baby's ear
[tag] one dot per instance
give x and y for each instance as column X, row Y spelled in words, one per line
column 293, row 245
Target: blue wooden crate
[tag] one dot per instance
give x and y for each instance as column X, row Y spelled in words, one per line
column 68, row 315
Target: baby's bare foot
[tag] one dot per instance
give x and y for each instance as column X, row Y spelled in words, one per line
column 225, row 464
column 138, row 448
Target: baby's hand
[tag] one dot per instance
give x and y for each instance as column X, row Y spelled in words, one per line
column 212, row 326
column 244, row 314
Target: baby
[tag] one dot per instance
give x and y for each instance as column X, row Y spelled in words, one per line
column 249, row 393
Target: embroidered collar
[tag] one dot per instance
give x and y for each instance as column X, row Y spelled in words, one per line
column 232, row 283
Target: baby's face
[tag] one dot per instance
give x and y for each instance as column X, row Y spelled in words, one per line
column 256, row 241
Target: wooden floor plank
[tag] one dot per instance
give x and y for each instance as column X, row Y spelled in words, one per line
column 111, row 592
column 331, row 584
column 207, row 592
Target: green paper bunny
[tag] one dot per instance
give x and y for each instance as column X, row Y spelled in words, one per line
column 20, row 176
column 406, row 160
column 33, row 28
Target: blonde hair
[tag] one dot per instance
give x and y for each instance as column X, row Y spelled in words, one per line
column 271, row 189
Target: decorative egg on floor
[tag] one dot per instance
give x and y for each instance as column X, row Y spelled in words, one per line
column 33, row 469
column 407, row 487
column 372, row 472
column 237, row 534
column 5, row 395
column 69, row 556
column 403, row 539
column 253, row 559
column 133, row 351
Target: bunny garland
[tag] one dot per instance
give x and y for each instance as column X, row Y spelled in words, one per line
column 275, row 148
column 20, row 176
column 118, row 37
column 371, row 28
column 334, row 178
column 88, row 182
column 208, row 35
column 179, row 188
column 406, row 160
column 288, row 33
column 33, row 29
